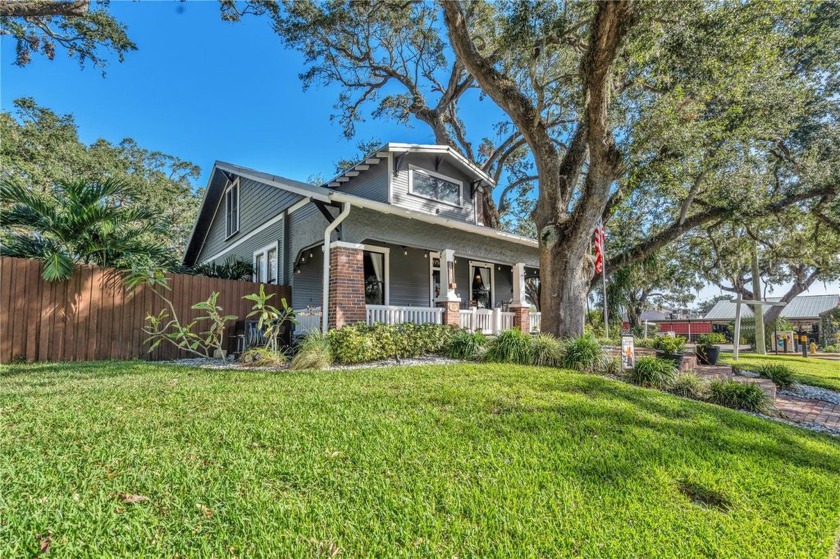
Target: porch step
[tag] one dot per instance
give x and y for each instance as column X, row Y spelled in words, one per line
column 725, row 371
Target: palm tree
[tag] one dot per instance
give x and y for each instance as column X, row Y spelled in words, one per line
column 78, row 222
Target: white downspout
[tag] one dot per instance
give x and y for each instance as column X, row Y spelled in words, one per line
column 325, row 299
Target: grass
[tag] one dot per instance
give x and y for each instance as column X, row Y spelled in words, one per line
column 469, row 460
column 810, row 370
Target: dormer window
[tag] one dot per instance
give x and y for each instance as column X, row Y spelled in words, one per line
column 232, row 209
column 435, row 186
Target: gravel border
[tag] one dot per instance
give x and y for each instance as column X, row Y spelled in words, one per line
column 812, row 393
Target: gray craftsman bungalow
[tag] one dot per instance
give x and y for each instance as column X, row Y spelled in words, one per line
column 397, row 238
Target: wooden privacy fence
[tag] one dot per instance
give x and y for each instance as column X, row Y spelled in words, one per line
column 92, row 317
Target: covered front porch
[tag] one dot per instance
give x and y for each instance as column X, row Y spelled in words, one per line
column 415, row 284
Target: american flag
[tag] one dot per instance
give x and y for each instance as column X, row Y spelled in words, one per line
column 600, row 239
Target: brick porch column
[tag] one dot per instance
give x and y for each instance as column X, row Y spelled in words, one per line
column 520, row 307
column 448, row 299
column 347, row 285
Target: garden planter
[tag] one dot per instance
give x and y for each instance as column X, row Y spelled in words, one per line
column 677, row 358
column 708, row 355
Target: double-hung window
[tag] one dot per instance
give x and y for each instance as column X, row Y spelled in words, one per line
column 266, row 265
column 232, row 208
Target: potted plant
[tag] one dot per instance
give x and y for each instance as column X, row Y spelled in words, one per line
column 708, row 348
column 671, row 347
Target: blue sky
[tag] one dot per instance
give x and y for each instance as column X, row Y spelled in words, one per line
column 204, row 89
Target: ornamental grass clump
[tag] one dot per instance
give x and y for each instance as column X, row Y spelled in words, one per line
column 738, row 395
column 653, row 372
column 314, row 352
column 582, row 354
column 263, row 357
column 546, row 351
column 510, row 346
column 689, row 385
column 466, row 345
column 781, row 375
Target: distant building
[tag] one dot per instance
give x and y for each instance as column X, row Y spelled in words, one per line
column 682, row 322
column 803, row 311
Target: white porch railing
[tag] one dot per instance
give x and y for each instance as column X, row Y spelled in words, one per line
column 487, row 321
column 535, row 319
column 390, row 314
column 308, row 321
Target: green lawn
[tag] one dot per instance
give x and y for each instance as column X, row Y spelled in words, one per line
column 808, row 370
column 470, row 460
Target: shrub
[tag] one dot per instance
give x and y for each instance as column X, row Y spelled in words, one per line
column 262, row 357
column 739, row 395
column 689, row 385
column 546, row 351
column 647, row 343
column 582, row 354
column 360, row 343
column 466, row 345
column 670, row 344
column 510, row 346
column 781, row 375
column 314, row 352
column 653, row 372
column 831, row 349
column 608, row 365
column 711, row 339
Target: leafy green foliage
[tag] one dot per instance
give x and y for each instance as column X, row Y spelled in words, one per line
column 41, row 150
column 166, row 326
column 546, row 351
column 510, row 346
column 88, row 35
column 779, row 373
column 816, row 372
column 79, row 222
column 313, row 352
column 738, row 395
column 232, row 268
column 689, row 385
column 582, row 353
column 653, row 372
column 271, row 320
column 711, row 339
column 466, row 345
column 670, row 345
column 360, row 343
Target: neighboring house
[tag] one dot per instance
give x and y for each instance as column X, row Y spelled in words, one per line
column 803, row 311
column 397, row 238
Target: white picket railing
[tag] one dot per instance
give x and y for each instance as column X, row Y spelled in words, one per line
column 390, row 314
column 487, row 321
column 308, row 321
column 535, row 318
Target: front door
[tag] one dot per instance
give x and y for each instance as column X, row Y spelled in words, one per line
column 481, row 285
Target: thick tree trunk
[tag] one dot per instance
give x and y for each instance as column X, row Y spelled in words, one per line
column 42, row 8
column 564, row 277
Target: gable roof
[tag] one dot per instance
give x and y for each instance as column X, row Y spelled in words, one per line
column 222, row 172
column 376, row 156
column 802, row 307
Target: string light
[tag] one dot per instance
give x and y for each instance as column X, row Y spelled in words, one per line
column 425, row 255
column 405, row 251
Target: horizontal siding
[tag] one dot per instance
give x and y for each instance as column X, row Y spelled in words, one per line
column 371, row 184
column 409, row 277
column 402, row 197
column 258, row 203
column 307, row 286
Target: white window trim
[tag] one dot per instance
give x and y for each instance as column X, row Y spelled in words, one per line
column 412, row 168
column 432, row 256
column 387, row 252
column 264, row 251
column 477, row 264
column 228, row 188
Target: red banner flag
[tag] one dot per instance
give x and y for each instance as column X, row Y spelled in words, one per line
column 600, row 239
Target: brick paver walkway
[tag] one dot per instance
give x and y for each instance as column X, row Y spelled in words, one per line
column 801, row 410
column 791, row 408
